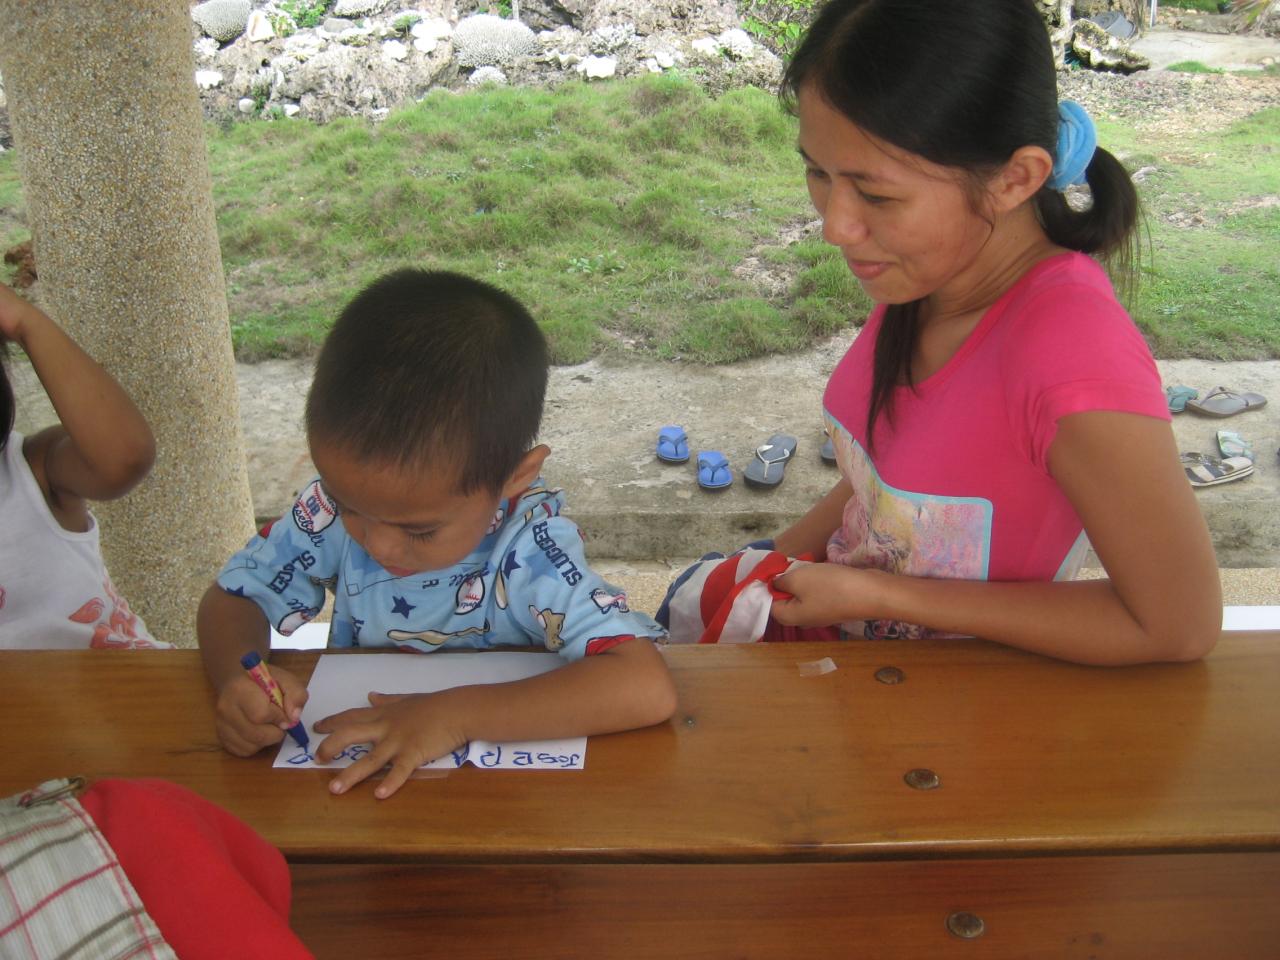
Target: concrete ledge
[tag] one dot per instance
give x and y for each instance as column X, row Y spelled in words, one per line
column 602, row 421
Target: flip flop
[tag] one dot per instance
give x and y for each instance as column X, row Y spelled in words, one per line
column 673, row 446
column 1221, row 402
column 1178, row 396
column 770, row 464
column 1231, row 444
column 713, row 470
column 1205, row 471
column 828, row 451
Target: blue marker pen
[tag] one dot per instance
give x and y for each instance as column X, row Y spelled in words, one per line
column 252, row 663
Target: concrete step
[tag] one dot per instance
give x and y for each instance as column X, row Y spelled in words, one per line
column 602, row 422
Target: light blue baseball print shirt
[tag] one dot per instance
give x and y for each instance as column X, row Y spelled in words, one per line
column 527, row 582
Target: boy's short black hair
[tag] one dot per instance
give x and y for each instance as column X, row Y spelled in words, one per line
column 428, row 370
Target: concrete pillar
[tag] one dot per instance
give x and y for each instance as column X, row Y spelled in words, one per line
column 108, row 130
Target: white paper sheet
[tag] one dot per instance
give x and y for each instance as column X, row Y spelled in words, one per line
column 341, row 682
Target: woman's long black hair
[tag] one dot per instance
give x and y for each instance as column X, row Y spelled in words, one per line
column 963, row 84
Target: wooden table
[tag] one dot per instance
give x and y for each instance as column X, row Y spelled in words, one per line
column 1079, row 812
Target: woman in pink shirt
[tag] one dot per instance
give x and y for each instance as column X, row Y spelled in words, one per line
column 1000, row 412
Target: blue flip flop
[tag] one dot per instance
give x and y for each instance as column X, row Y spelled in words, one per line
column 713, row 470
column 673, row 445
column 1178, row 396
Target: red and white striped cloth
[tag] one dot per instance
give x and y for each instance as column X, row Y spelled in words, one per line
column 726, row 599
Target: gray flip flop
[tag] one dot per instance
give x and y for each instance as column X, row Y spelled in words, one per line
column 770, row 463
column 1221, row 402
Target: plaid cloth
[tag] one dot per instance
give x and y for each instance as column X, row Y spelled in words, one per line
column 63, row 893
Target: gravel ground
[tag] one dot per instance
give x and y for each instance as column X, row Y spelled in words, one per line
column 1168, row 104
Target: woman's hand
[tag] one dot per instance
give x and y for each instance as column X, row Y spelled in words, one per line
column 823, row 594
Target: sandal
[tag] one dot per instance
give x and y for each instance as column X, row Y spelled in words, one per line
column 1206, row 471
column 673, row 445
column 770, row 464
column 713, row 470
column 1178, row 396
column 1221, row 402
column 1231, row 444
column 828, row 451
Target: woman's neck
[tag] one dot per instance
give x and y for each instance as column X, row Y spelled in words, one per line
column 1016, row 244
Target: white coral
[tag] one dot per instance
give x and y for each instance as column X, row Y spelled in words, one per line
column 487, row 75
column 736, row 44
column 486, row 40
column 224, row 20
column 358, row 8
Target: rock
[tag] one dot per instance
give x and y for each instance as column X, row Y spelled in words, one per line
column 598, row 68
column 208, row 79
column 1098, row 49
column 246, row 105
column 485, row 40
column 663, row 16
column 292, row 109
column 334, row 26
column 223, row 20
column 435, row 29
column 707, row 46
column 259, row 29
column 550, row 14
column 395, row 50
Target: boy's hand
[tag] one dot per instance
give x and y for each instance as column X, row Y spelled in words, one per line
column 406, row 730
column 247, row 720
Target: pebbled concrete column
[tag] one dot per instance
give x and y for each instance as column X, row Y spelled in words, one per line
column 107, row 127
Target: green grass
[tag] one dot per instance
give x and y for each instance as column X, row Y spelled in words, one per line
column 618, row 213
column 1192, row 66
column 1210, row 287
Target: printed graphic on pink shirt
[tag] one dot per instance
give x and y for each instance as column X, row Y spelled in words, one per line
column 114, row 628
column 898, row 531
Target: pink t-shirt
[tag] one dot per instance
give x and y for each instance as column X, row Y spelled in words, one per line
column 958, row 485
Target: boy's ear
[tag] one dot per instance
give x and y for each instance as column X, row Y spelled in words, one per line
column 1020, row 178
column 526, row 470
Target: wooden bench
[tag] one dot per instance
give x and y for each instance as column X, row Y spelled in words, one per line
column 989, row 803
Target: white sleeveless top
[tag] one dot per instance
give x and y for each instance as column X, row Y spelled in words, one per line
column 54, row 589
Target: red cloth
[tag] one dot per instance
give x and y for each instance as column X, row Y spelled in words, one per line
column 213, row 886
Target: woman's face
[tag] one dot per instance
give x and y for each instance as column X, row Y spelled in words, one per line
column 906, row 227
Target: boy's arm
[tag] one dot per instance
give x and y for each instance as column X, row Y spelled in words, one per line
column 245, row 718
column 227, row 627
column 622, row 688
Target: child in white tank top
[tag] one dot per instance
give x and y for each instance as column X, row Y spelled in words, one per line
column 54, row 588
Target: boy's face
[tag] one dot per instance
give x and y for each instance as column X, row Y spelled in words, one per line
column 408, row 521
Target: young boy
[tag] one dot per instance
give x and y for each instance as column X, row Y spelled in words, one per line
column 430, row 524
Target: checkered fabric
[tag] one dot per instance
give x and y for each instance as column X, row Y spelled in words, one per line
column 63, row 893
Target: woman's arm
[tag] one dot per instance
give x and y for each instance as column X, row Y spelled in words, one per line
column 1163, row 599
column 811, row 532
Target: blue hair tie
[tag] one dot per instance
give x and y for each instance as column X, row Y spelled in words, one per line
column 1077, row 140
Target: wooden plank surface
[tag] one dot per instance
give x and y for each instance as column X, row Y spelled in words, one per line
column 1176, row 907
column 759, row 764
